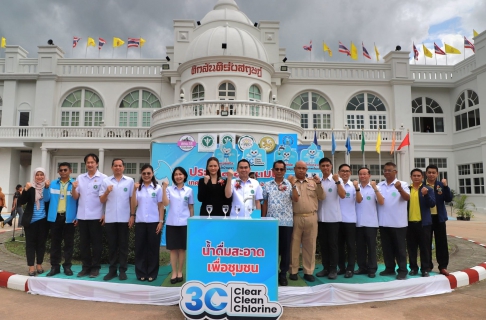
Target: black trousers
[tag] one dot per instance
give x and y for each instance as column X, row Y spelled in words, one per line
column 117, row 235
column 147, row 250
column 347, row 246
column 284, row 242
column 419, row 236
column 366, row 247
column 439, row 232
column 328, row 239
column 61, row 231
column 393, row 242
column 35, row 241
column 90, row 243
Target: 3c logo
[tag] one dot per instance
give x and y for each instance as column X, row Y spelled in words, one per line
column 197, row 298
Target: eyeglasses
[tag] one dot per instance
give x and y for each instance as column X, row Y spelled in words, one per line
column 63, row 170
column 146, row 173
column 279, row 169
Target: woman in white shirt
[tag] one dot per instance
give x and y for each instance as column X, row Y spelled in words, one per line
column 181, row 200
column 147, row 202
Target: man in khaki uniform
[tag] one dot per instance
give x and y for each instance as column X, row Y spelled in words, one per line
column 305, row 221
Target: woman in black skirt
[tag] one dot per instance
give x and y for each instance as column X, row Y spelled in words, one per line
column 211, row 190
column 181, row 201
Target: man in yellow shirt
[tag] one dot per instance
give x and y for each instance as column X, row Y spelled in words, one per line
column 422, row 198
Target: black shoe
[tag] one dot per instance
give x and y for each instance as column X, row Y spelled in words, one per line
column 68, row 271
column 53, row 272
column 401, row 276
column 180, row 279
column 282, row 281
column 388, row 273
column 341, row 271
column 332, row 275
column 309, row 277
column 371, row 275
column 40, row 271
column 322, row 273
column 361, row 271
column 31, row 273
column 109, row 276
column 82, row 273
column 425, row 274
column 94, row 273
column 173, row 281
column 293, row 277
column 122, row 276
column 348, row 274
column 413, row 272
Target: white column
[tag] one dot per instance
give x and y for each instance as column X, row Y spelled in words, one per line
column 44, row 158
column 101, row 156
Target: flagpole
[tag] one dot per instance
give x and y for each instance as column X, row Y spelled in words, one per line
column 126, row 56
column 324, row 56
column 409, row 155
column 86, row 52
column 140, row 48
column 425, row 58
column 436, row 58
column 348, row 154
column 446, row 59
column 113, row 53
column 332, row 151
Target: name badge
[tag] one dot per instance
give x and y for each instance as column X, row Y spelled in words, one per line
column 62, row 196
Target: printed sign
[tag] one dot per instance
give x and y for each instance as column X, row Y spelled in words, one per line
column 245, row 142
column 186, row 143
column 227, row 137
column 227, row 156
column 207, row 142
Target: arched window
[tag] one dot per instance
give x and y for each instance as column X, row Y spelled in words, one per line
column 366, row 110
column 227, row 91
column 135, row 111
column 82, row 108
column 198, row 93
column 255, row 94
column 466, row 112
column 315, row 110
column 427, row 115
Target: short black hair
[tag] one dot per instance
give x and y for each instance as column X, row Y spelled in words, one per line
column 344, row 165
column 432, row 166
column 390, row 164
column 243, row 160
column 17, row 187
column 366, row 168
column 64, row 164
column 182, row 170
column 325, row 159
column 281, row 162
column 92, row 155
column 417, row 170
column 117, row 159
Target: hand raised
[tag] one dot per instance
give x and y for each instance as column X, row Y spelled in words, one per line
column 110, row 188
column 424, row 191
column 444, row 182
column 206, row 179
column 355, row 184
column 373, row 184
column 75, row 184
column 230, row 174
column 47, row 183
column 165, row 184
column 316, row 179
column 28, row 185
column 136, row 186
column 335, row 177
column 291, row 179
column 398, row 185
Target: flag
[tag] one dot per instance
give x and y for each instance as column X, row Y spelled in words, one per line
column 309, row 47
column 362, row 141
column 142, row 42
column 343, row 49
column 469, row 45
column 3, row 43
column 333, row 144
column 315, row 139
column 415, row 53
column 133, row 42
column 101, row 43
column 75, row 41
column 325, row 48
column 451, row 50
column 475, row 33
column 378, row 143
column 365, row 52
column 348, row 145
column 393, row 143
column 377, row 54
column 117, row 42
column 438, row 50
column 427, row 52
column 91, row 42
column 405, row 142
column 354, row 51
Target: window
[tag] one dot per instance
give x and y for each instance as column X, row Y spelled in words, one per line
column 366, row 110
column 254, row 94
column 464, row 169
column 313, row 107
column 465, row 186
column 130, row 168
column 427, row 115
column 471, row 181
column 198, row 93
column 419, row 163
column 227, row 91
column 135, row 111
column 466, row 112
column 82, row 108
column 439, row 162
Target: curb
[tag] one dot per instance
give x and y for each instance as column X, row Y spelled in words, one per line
column 14, row 281
column 467, row 276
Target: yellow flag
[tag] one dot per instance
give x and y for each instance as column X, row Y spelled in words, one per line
column 117, row 42
column 142, row 41
column 91, row 42
column 325, row 48
column 451, row 49
column 427, row 52
column 475, row 33
column 378, row 142
column 354, row 51
column 377, row 54
column 4, row 43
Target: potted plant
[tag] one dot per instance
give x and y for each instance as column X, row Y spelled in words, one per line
column 463, row 207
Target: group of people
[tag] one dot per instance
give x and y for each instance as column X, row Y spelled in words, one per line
column 16, row 207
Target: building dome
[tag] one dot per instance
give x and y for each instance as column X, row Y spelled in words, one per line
column 239, row 43
column 226, row 10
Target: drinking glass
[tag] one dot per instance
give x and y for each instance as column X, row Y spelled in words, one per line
column 225, row 210
column 249, row 210
column 209, row 209
column 237, row 210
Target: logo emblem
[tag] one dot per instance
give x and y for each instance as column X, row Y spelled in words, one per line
column 186, row 143
column 207, row 141
column 368, row 198
column 330, row 189
column 245, row 142
column 394, row 194
column 95, row 186
column 153, row 194
column 125, row 189
column 268, row 144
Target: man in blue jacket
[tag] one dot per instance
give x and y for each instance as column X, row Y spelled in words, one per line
column 439, row 217
column 62, row 220
column 419, row 223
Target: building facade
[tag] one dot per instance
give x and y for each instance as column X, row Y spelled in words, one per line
column 228, row 74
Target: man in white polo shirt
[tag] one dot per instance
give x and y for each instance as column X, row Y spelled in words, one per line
column 347, row 227
column 393, row 221
column 90, row 216
column 243, row 189
column 367, row 223
column 115, row 192
column 329, row 217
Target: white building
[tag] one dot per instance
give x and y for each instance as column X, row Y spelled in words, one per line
column 68, row 107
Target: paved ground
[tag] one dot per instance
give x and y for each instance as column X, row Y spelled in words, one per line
column 464, row 303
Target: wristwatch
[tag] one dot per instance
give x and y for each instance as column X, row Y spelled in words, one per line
column 294, row 186
column 358, row 189
column 338, row 182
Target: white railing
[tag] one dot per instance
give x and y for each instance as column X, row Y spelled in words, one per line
column 218, row 108
column 2, row 66
column 424, row 73
column 112, row 68
column 340, row 71
column 354, row 135
column 48, row 133
column 28, row 66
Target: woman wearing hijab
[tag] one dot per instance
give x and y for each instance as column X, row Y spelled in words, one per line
column 36, row 195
